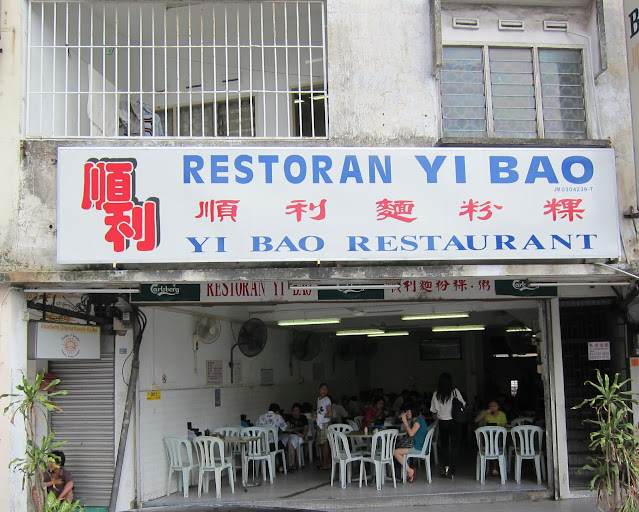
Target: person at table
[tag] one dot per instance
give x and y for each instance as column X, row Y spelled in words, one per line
column 339, row 412
column 375, row 414
column 416, row 429
column 273, row 418
column 441, row 405
column 298, row 432
column 322, row 416
column 492, row 417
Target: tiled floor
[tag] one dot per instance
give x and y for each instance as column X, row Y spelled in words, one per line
column 310, row 489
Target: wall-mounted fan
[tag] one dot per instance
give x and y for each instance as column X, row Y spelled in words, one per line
column 207, row 330
column 306, row 346
column 250, row 340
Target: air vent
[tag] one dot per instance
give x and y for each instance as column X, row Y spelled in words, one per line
column 511, row 25
column 465, row 23
column 556, row 26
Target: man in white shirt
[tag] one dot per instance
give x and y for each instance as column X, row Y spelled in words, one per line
column 273, row 418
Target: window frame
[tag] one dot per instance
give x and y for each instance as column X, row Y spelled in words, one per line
column 590, row 105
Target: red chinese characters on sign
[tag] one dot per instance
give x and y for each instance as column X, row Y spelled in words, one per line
column 564, row 208
column 221, row 208
column 298, row 207
column 398, row 210
column 109, row 186
column 454, row 286
column 481, row 211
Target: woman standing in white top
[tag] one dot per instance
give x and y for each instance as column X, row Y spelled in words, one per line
column 441, row 406
column 323, row 419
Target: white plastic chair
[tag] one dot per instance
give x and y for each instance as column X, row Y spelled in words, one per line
column 342, row 456
column 232, row 451
column 179, row 451
column 211, row 457
column 382, row 448
column 423, row 454
column 435, row 444
column 352, row 424
column 360, row 421
column 527, row 444
column 310, row 440
column 258, row 450
column 340, row 427
column 275, row 432
column 491, row 443
column 522, row 420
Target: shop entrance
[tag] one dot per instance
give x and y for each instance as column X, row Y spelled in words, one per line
column 499, row 358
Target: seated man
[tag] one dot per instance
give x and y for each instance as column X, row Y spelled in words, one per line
column 299, row 426
column 273, row 418
column 57, row 480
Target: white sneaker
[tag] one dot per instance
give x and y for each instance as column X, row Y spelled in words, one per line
column 495, row 472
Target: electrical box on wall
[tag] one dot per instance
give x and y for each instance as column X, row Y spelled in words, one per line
column 49, row 340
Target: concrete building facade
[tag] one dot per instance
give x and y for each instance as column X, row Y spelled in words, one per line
column 284, row 160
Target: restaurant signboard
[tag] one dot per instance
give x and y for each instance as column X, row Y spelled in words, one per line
column 167, row 205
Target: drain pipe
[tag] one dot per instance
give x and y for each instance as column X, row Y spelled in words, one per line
column 128, row 406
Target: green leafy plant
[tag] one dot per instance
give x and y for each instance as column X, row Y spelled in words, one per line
column 33, row 404
column 614, row 444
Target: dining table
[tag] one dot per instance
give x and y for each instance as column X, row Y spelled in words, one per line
column 242, row 441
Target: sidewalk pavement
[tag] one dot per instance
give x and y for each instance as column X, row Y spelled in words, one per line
column 542, row 505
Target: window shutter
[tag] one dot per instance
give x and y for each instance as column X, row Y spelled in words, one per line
column 562, row 92
column 463, row 96
column 513, row 92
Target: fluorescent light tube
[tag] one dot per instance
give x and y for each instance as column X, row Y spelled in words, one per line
column 359, row 332
column 309, row 321
column 455, row 328
column 389, row 333
column 342, row 287
column 436, row 316
column 518, row 329
column 568, row 283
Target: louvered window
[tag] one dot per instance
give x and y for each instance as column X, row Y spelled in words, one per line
column 529, row 93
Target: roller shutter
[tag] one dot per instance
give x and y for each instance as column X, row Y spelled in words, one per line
column 87, row 425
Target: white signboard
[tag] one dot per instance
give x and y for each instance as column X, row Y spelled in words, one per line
column 598, row 351
column 214, row 373
column 160, row 205
column 65, row 341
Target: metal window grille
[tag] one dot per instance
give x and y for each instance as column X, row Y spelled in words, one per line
column 513, row 92
column 177, row 69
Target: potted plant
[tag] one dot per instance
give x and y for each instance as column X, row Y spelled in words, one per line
column 33, row 403
column 614, row 445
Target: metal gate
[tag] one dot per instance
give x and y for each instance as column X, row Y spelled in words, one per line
column 583, row 321
column 87, row 425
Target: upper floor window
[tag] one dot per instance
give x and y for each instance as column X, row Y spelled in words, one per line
column 513, row 92
column 177, row 69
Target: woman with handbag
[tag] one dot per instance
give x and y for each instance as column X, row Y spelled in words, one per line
column 416, row 430
column 441, row 406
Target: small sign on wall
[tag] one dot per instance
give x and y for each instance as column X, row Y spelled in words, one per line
column 598, row 351
column 266, row 377
column 237, row 373
column 48, row 340
column 218, row 397
column 154, row 395
column 214, row 373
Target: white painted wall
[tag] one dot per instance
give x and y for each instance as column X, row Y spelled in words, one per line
column 13, row 365
column 167, row 354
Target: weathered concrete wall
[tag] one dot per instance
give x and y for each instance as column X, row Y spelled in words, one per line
column 382, row 93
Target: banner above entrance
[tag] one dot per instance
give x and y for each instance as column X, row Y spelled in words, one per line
column 230, row 292
column 168, row 205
